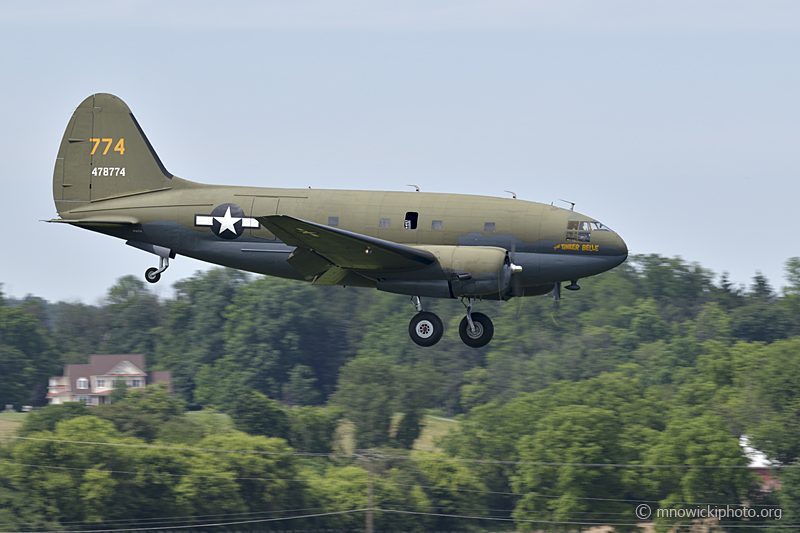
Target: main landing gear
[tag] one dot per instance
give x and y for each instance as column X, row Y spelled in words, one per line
column 476, row 329
column 425, row 329
column 152, row 275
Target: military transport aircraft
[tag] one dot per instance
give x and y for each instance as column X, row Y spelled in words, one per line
column 109, row 179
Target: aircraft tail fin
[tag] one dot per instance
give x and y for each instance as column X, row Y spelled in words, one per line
column 105, row 154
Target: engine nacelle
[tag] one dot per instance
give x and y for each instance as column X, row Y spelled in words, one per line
column 474, row 270
column 458, row 271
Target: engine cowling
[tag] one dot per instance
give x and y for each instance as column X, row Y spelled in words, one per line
column 458, row 271
column 474, row 270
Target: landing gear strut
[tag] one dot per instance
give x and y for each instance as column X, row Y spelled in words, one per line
column 425, row 328
column 152, row 275
column 476, row 329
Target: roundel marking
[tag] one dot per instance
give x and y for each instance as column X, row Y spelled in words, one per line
column 227, row 221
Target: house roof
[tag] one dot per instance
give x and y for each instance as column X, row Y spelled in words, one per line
column 101, row 365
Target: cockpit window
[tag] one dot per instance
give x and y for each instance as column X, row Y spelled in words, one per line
column 597, row 226
column 581, row 230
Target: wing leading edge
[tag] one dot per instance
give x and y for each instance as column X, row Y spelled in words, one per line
column 327, row 254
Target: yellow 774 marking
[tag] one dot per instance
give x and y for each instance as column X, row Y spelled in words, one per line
column 120, row 147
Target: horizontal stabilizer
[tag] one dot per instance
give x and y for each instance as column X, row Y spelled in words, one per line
column 106, row 220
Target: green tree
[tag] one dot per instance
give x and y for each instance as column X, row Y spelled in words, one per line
column 256, row 414
column 792, row 269
column 367, row 394
column 47, row 418
column 700, row 441
column 572, row 435
column 313, row 429
column 26, row 356
column 119, row 392
column 301, row 389
column 133, row 315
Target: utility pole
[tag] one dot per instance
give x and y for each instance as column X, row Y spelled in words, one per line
column 370, row 457
column 369, row 496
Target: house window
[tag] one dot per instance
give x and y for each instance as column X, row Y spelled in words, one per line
column 83, row 383
column 385, row 223
column 488, row 227
column 83, row 399
column 101, row 383
column 333, row 221
column 436, row 224
column 411, row 220
column 136, row 383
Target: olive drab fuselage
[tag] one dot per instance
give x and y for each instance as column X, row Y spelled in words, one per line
column 109, row 179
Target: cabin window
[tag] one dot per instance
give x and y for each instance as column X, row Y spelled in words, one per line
column 573, row 224
column 333, row 221
column 572, row 235
column 411, row 220
column 83, row 383
column 585, row 226
column 584, row 237
column 385, row 223
column 488, row 227
column 436, row 224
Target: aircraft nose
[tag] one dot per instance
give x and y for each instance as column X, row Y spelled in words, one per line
column 620, row 245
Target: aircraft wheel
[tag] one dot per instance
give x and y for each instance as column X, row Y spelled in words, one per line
column 484, row 330
column 152, row 275
column 425, row 329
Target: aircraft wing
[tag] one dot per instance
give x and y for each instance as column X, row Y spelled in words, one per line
column 343, row 249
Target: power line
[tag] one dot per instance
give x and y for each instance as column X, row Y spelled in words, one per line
column 361, row 482
column 557, row 522
column 260, row 520
column 396, row 457
column 166, row 519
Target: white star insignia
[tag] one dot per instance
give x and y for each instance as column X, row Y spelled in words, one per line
column 227, row 222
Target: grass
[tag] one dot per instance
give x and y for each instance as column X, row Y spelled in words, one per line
column 10, row 421
column 212, row 421
column 433, row 427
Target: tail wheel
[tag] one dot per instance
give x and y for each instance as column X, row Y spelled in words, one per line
column 152, row 275
column 481, row 335
column 425, row 329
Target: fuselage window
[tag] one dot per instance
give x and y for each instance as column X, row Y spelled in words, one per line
column 385, row 223
column 488, row 227
column 572, row 224
column 436, row 224
column 585, row 226
column 333, row 221
column 572, row 235
column 411, row 220
column 584, row 237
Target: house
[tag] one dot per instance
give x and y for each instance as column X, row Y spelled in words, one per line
column 92, row 383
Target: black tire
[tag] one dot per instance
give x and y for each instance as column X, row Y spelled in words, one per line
column 425, row 329
column 484, row 330
column 152, row 275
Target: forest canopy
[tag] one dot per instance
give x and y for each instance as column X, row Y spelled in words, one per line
column 658, row 362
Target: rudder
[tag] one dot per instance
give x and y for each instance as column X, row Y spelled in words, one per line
column 104, row 154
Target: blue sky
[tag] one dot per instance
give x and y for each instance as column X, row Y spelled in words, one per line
column 674, row 122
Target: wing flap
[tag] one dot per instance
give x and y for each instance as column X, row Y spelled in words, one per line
column 346, row 249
